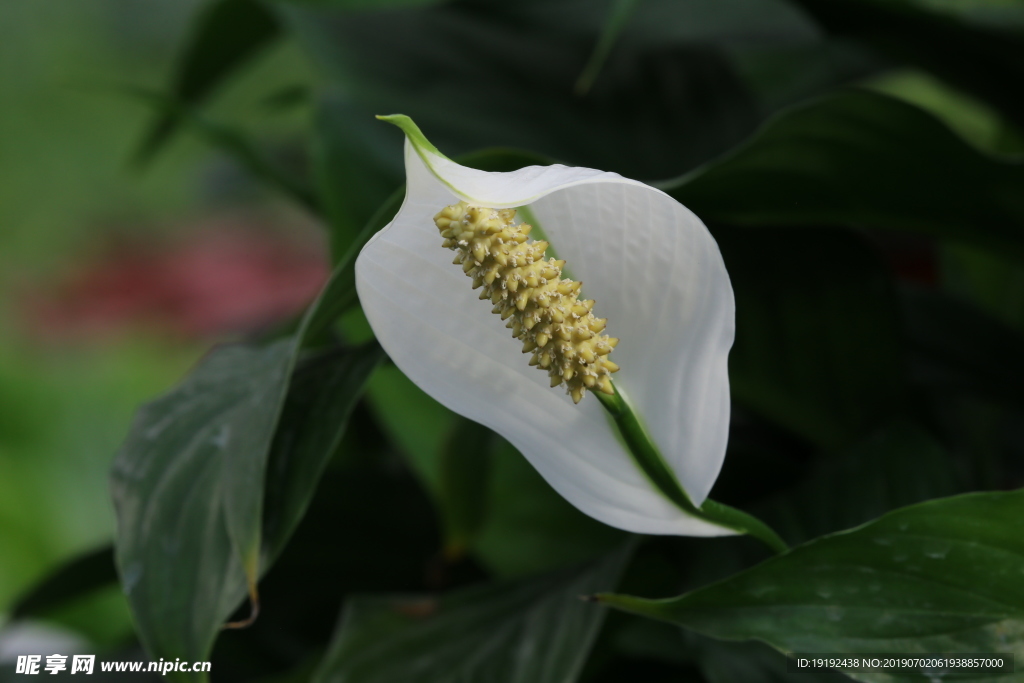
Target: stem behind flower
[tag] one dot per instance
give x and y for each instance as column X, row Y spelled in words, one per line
column 647, row 456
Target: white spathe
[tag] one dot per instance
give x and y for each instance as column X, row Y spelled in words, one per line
column 657, row 276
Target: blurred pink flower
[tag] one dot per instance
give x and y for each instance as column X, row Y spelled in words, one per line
column 219, row 279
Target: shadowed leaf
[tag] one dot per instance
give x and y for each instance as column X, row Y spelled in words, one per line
column 865, row 160
column 536, row 630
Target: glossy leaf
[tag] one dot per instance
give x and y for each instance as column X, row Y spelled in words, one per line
column 188, row 483
column 818, row 346
column 535, row 630
column 865, row 160
column 227, row 35
column 188, row 490
column 942, row 576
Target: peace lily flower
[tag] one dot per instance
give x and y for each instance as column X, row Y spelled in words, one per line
column 658, row 281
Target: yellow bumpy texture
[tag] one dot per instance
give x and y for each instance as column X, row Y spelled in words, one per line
column 528, row 290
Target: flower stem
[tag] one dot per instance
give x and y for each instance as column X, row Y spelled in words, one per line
column 649, row 459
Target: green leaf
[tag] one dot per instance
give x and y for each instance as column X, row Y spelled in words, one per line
column 975, row 59
column 188, row 489
column 750, row 662
column 420, row 61
column 818, row 345
column 681, row 655
column 370, row 527
column 465, row 467
column 227, row 35
column 959, row 348
column 322, row 395
column 352, row 180
column 188, row 483
column 529, row 527
column 862, row 159
column 415, row 423
column 76, row 578
column 898, row 465
column 942, row 576
column 535, row 630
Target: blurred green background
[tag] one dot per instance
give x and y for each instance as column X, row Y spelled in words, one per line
column 76, row 212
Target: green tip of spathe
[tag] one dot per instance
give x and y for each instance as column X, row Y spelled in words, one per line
column 412, row 131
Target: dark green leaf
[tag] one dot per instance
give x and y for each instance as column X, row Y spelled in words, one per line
column 369, row 527
column 977, row 60
column 942, row 576
column 818, row 347
column 322, row 395
column 998, row 14
column 956, row 346
column 352, row 178
column 465, row 470
column 445, row 66
column 188, row 484
column 414, row 423
column 862, row 159
column 898, row 465
column 78, row 577
column 227, row 35
column 188, row 489
column 529, row 528
column 749, row 662
column 622, row 11
column 535, row 630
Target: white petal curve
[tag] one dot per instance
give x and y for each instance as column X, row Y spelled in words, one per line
column 659, row 279
column 436, row 330
column 510, row 190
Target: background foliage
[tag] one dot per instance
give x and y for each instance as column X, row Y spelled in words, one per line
column 858, row 162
